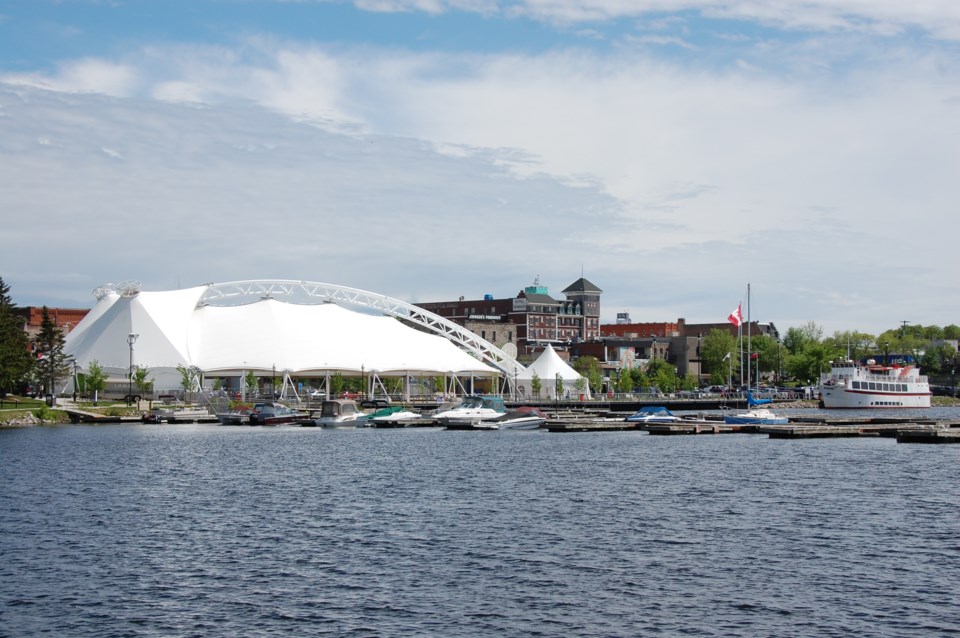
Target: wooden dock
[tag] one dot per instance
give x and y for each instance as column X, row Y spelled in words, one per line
column 928, row 436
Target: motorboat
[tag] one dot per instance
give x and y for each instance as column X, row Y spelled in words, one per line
column 393, row 415
column 652, row 414
column 524, row 418
column 274, row 414
column 473, row 410
column 756, row 416
column 850, row 384
column 173, row 410
column 338, row 413
column 235, row 417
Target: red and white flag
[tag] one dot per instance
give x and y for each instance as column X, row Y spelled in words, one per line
column 736, row 317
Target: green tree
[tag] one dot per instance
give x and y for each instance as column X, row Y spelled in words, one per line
column 589, row 367
column 558, row 386
column 639, row 378
column 250, row 382
column 716, row 350
column 16, row 362
column 142, row 381
column 337, row 384
column 951, row 332
column 536, row 385
column 52, row 364
column 96, row 380
column 662, row 375
column 188, row 380
column 625, row 381
column 581, row 384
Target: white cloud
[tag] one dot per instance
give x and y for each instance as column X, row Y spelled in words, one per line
column 83, row 76
column 884, row 17
column 431, row 176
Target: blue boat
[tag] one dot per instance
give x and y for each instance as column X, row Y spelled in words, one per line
column 757, row 416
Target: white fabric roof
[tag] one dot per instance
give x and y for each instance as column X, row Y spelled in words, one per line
column 547, row 367
column 304, row 339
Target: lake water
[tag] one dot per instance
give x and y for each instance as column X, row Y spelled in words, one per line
column 204, row 530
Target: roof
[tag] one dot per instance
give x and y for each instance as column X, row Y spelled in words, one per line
column 548, row 365
column 544, row 300
column 174, row 329
column 582, row 285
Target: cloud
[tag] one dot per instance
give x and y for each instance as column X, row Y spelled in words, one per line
column 941, row 18
column 84, row 76
column 795, row 166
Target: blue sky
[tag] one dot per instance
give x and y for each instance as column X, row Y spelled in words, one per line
column 672, row 152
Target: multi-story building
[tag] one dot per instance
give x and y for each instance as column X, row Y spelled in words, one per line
column 64, row 318
column 530, row 320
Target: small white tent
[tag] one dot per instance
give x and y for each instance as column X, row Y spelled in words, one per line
column 548, row 367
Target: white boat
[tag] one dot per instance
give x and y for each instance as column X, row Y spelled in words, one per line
column 392, row 415
column 652, row 414
column 756, row 416
column 472, row 411
column 853, row 385
column 525, row 418
column 338, row 413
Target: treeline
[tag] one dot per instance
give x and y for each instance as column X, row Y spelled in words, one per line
column 18, row 365
column 804, row 352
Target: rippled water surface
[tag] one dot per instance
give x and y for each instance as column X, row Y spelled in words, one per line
column 193, row 530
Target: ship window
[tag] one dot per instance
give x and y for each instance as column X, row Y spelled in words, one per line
column 856, row 385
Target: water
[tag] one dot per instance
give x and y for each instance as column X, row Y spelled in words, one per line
column 195, row 530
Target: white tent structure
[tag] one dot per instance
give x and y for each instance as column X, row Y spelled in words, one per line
column 162, row 331
column 548, row 368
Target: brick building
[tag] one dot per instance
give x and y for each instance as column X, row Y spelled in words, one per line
column 531, row 319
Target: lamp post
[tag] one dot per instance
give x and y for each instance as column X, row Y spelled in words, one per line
column 76, row 378
column 131, row 339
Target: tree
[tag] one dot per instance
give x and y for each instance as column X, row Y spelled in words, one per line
column 52, row 363
column 536, row 385
column 625, row 381
column 16, row 361
column 141, row 380
column 558, row 386
column 96, row 380
column 662, row 375
column 188, row 380
column 714, row 351
column 639, row 378
column 337, row 384
column 250, row 382
column 581, row 384
column 589, row 367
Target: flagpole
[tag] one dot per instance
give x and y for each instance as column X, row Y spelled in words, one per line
column 749, row 351
column 740, row 343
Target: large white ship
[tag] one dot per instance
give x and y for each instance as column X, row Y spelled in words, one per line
column 853, row 385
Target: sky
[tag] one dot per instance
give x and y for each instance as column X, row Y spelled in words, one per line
column 674, row 153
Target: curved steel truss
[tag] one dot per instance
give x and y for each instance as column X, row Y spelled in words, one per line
column 332, row 293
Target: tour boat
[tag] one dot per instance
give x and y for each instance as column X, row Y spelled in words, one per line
column 850, row 384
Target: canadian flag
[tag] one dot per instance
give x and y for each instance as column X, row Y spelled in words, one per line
column 736, row 317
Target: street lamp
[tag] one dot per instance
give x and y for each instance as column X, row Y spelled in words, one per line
column 131, row 339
